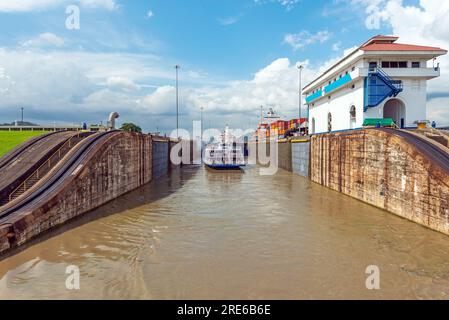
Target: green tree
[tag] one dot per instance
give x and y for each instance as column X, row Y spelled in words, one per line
column 131, row 127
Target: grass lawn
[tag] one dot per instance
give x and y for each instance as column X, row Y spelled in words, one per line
column 10, row 139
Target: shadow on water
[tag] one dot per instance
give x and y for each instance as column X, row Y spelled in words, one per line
column 165, row 186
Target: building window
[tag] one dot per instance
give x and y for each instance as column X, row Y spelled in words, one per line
column 372, row 66
column 394, row 64
column 353, row 113
column 352, row 117
column 415, row 64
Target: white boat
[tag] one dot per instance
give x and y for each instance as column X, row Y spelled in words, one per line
column 226, row 153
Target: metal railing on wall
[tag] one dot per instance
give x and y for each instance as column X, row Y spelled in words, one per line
column 45, row 167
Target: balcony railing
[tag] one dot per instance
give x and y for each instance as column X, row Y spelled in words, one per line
column 427, row 73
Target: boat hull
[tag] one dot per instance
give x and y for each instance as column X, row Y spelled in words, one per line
column 224, row 166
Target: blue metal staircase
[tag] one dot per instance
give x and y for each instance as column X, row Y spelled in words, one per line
column 378, row 87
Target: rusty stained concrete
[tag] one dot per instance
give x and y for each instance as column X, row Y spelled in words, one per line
column 119, row 165
column 383, row 170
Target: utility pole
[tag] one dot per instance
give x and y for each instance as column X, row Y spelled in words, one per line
column 22, row 116
column 177, row 67
column 300, row 67
column 201, row 141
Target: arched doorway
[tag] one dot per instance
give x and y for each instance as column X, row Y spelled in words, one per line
column 313, row 125
column 352, row 117
column 329, row 122
column 395, row 109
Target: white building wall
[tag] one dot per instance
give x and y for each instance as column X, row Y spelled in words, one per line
column 414, row 98
column 414, row 95
column 339, row 106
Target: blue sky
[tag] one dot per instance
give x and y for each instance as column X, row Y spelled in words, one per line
column 235, row 55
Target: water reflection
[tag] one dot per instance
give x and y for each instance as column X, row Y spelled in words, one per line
column 207, row 234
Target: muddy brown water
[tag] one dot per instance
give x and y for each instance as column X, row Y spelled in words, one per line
column 200, row 234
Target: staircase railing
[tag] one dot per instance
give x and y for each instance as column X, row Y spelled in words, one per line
column 45, row 167
column 395, row 85
column 379, row 86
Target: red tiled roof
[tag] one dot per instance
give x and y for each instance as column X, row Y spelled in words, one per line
column 398, row 47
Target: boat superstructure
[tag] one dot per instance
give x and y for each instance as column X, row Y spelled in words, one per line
column 227, row 153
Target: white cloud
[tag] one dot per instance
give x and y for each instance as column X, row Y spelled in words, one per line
column 105, row 4
column 304, row 38
column 437, row 109
column 275, row 85
column 228, row 21
column 87, row 86
column 288, row 4
column 105, row 101
column 26, row 5
column 58, row 83
column 336, row 46
column 2, row 73
column 159, row 102
column 45, row 40
column 122, row 83
column 32, row 5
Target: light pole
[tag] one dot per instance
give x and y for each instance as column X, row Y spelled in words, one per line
column 177, row 67
column 22, row 116
column 201, row 141
column 300, row 67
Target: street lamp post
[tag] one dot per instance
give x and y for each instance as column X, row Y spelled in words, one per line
column 300, row 67
column 21, row 123
column 177, row 67
column 201, row 141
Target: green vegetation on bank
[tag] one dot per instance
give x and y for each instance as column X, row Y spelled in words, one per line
column 131, row 127
column 10, row 139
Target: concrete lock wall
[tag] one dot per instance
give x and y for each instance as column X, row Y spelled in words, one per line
column 161, row 157
column 171, row 146
column 119, row 165
column 293, row 157
column 383, row 170
column 301, row 158
column 285, row 156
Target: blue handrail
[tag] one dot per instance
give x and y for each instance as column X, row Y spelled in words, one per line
column 379, row 86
